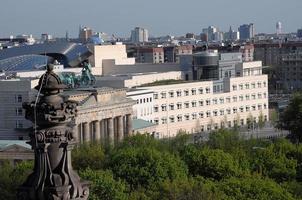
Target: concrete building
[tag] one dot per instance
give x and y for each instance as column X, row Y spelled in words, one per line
column 247, row 31
column 247, row 51
column 285, row 63
column 149, row 55
column 199, row 106
column 173, row 53
column 15, row 151
column 104, row 54
column 139, row 35
column 85, row 33
column 299, row 33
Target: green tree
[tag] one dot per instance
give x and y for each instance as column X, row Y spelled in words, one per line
column 88, row 155
column 253, row 188
column 291, row 118
column 210, row 163
column 145, row 166
column 103, row 186
column 261, row 121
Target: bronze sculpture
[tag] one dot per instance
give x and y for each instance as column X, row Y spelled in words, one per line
column 52, row 140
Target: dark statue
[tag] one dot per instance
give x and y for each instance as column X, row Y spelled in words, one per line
column 52, row 141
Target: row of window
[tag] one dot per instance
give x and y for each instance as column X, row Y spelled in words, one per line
column 248, row 86
column 144, row 100
column 186, row 117
column 201, row 103
column 180, row 93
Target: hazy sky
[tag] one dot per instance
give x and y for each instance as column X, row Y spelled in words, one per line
column 160, row 17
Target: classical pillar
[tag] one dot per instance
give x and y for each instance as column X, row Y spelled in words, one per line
column 75, row 132
column 110, row 131
column 86, row 132
column 128, row 124
column 103, row 131
column 120, row 128
column 97, row 131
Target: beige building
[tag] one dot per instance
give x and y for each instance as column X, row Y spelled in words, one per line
column 113, row 53
column 197, row 107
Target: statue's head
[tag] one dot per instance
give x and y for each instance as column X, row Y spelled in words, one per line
column 50, row 67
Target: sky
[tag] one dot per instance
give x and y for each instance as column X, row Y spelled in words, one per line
column 160, row 17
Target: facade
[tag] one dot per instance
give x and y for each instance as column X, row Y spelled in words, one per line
column 150, row 55
column 139, row 35
column 173, row 53
column 299, row 33
column 246, row 31
column 285, row 61
column 199, row 106
column 15, row 151
column 247, row 51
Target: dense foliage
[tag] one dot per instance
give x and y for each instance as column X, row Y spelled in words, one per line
column 143, row 168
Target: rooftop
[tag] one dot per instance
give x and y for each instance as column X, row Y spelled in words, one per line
column 4, row 144
column 163, row 82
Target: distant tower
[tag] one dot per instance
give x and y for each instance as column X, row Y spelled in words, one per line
column 279, row 28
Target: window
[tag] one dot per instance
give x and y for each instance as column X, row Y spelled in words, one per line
column 221, row 112
column 194, row 116
column 215, row 113
column 19, row 124
column 247, row 86
column 179, row 105
column 234, row 98
column 228, row 99
column 172, row 120
column 200, row 90
column 264, row 106
column 187, row 117
column 186, row 92
column 163, row 107
column 242, row 122
column 187, row 104
column 253, row 96
column 19, row 112
column 214, row 101
column 155, row 96
column 234, row 87
column 247, row 97
column 155, row 108
column 178, row 93
column 200, row 103
column 247, row 108
column 228, row 111
column 163, row 95
column 201, row 115
column 241, row 109
column 234, row 110
column 264, row 84
column 264, row 95
column 156, row 121
column 179, row 118
column 241, row 98
column 208, row 113
column 164, row 120
column 208, row 102
column 194, row 104
column 259, row 96
column 171, row 94
column 259, row 84
column 241, row 86
column 193, row 91
column 259, row 106
column 253, row 85
column 19, row 98
column 221, row 100
column 253, row 107
column 208, row 90
column 209, row 127
column 171, row 106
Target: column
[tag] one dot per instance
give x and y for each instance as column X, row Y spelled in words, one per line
column 75, row 133
column 110, row 131
column 97, row 131
column 103, row 131
column 128, row 125
column 86, row 132
column 120, row 128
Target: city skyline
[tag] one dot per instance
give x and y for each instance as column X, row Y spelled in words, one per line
column 160, row 18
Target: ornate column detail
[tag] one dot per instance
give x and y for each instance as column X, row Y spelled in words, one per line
column 52, row 140
column 128, row 124
column 120, row 128
column 110, row 131
column 97, row 131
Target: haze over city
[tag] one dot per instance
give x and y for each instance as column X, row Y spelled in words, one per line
column 160, row 17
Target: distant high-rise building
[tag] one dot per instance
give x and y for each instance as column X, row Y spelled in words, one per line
column 190, row 35
column 299, row 33
column 279, row 28
column 85, row 33
column 46, row 37
column 246, row 31
column 139, row 35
